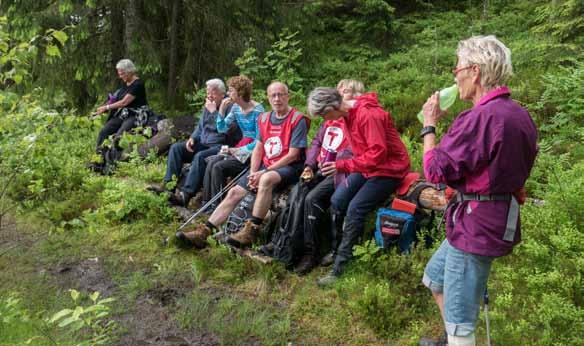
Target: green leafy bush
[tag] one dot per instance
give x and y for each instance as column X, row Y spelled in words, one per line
column 91, row 321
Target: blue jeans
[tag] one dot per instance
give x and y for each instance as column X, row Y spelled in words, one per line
column 355, row 198
column 462, row 278
column 179, row 154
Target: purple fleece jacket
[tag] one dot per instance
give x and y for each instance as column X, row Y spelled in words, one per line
column 489, row 149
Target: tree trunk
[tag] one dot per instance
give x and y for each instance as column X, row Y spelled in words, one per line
column 131, row 27
column 173, row 50
column 432, row 199
column 117, row 34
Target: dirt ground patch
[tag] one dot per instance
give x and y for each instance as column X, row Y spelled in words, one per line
column 148, row 319
column 149, row 323
column 86, row 276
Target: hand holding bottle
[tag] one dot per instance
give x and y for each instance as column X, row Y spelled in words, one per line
column 447, row 96
column 432, row 111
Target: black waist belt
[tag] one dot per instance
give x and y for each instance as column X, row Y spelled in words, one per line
column 512, row 216
column 461, row 197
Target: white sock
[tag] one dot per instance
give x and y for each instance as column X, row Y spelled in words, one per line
column 468, row 340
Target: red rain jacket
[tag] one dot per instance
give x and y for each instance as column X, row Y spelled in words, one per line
column 377, row 148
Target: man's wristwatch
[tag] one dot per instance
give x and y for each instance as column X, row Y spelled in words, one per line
column 427, row 130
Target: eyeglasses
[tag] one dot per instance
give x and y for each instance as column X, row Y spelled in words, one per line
column 280, row 95
column 458, row 69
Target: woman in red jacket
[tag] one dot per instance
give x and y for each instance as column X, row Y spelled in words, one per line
column 380, row 161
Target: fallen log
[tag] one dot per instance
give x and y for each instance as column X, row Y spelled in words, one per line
column 429, row 197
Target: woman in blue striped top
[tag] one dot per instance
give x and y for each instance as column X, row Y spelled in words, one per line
column 244, row 113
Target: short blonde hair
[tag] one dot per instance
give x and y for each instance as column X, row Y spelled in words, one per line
column 492, row 56
column 356, row 86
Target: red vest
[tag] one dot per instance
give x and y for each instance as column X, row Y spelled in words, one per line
column 335, row 138
column 276, row 138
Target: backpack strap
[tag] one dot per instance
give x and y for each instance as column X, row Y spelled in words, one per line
column 295, row 116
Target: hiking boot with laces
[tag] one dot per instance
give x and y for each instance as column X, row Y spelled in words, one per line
column 267, row 249
column 180, row 198
column 196, row 238
column 246, row 236
column 305, row 265
column 157, row 188
column 330, row 278
column 328, row 259
column 220, row 236
column 441, row 341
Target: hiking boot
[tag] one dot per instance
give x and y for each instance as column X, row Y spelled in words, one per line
column 196, row 200
column 442, row 341
column 157, row 188
column 305, row 265
column 220, row 236
column 328, row 259
column 330, row 278
column 196, row 238
column 267, row 249
column 180, row 198
column 246, row 236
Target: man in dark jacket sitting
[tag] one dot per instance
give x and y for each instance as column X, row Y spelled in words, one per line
column 204, row 142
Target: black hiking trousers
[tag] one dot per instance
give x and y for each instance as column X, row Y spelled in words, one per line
column 218, row 170
column 117, row 126
column 355, row 199
column 316, row 204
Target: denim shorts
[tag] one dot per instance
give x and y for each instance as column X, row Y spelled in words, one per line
column 462, row 278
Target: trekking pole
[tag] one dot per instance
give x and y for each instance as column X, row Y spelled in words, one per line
column 212, row 200
column 486, row 303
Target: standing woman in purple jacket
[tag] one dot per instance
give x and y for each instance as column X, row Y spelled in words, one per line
column 486, row 155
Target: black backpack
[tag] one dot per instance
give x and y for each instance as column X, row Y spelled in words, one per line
column 109, row 158
column 241, row 213
column 288, row 237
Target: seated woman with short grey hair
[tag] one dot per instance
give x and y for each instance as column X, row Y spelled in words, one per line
column 380, row 161
column 127, row 107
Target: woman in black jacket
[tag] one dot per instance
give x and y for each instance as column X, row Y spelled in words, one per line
column 127, row 107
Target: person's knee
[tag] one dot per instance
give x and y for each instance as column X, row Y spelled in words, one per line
column 217, row 170
column 176, row 148
column 268, row 181
column 200, row 159
column 338, row 205
column 236, row 193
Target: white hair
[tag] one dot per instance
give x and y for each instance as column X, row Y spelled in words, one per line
column 492, row 56
column 126, row 65
column 323, row 100
column 216, row 83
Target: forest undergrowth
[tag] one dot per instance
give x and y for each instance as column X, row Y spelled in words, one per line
column 58, row 219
